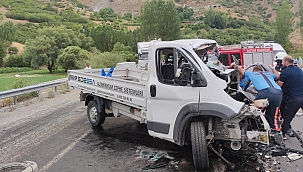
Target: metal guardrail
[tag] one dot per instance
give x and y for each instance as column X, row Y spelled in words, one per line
column 33, row 88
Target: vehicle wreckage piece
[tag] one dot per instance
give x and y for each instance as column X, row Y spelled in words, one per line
column 279, row 149
column 249, row 125
column 231, row 165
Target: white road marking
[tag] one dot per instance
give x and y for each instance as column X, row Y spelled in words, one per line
column 65, row 151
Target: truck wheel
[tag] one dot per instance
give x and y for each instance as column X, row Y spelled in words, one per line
column 199, row 145
column 95, row 117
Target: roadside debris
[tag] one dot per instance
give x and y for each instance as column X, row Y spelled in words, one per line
column 294, row 156
column 161, row 162
column 269, row 153
column 160, row 159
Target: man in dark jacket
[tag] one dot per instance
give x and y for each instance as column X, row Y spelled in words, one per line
column 291, row 79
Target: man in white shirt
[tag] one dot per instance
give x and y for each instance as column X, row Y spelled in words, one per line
column 88, row 66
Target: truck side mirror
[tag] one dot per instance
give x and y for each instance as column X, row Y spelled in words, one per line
column 198, row 80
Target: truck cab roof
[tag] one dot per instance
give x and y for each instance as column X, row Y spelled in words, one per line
column 197, row 43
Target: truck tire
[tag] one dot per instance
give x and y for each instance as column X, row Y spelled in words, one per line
column 95, row 117
column 199, row 145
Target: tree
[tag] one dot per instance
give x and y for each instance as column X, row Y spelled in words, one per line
column 105, row 37
column 15, row 60
column 50, row 42
column 284, row 25
column 12, row 50
column 216, row 19
column 188, row 12
column 128, row 16
column 107, row 13
column 72, row 58
column 159, row 19
column 301, row 17
column 7, row 35
column 124, row 51
column 2, row 52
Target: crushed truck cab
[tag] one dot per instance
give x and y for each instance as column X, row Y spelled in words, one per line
column 179, row 97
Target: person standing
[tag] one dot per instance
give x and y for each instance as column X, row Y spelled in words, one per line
column 279, row 68
column 279, row 57
column 300, row 61
column 88, row 66
column 291, row 79
column 264, row 83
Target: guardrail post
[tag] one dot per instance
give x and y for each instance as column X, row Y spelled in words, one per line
column 55, row 89
column 15, row 100
column 37, row 93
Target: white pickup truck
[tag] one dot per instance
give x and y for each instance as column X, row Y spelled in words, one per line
column 179, row 98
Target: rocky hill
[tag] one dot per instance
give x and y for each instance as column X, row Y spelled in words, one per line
column 262, row 9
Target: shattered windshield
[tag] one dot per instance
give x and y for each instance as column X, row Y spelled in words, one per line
column 212, row 57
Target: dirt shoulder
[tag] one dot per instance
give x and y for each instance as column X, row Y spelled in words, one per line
column 11, row 114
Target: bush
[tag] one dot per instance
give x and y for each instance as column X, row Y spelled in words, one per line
column 50, row 8
column 14, row 69
column 15, row 15
column 106, row 60
column 20, row 84
column 59, row 5
column 132, row 24
column 268, row 15
column 128, row 16
column 25, row 32
column 32, row 17
column 13, row 50
column 39, row 18
column 14, row 61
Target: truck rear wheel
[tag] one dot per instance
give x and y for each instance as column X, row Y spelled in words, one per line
column 199, row 145
column 95, row 117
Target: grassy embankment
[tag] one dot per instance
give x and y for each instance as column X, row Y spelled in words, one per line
column 8, row 80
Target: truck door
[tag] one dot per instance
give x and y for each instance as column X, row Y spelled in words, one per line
column 168, row 93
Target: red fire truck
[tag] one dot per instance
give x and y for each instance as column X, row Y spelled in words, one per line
column 247, row 53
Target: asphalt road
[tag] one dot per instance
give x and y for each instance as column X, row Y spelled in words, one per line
column 56, row 134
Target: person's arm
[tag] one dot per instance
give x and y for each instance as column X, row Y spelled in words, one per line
column 274, row 71
column 282, row 78
column 240, row 70
column 280, row 83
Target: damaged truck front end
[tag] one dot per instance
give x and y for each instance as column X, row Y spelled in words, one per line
column 249, row 126
column 231, row 123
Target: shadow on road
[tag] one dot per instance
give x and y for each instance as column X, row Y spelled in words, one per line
column 134, row 135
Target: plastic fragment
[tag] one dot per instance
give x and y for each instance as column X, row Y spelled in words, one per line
column 294, row 156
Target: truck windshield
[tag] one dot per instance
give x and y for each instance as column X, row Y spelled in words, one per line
column 191, row 56
column 143, row 56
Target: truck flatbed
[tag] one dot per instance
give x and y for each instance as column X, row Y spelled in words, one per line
column 127, row 85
